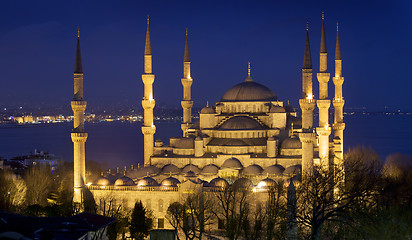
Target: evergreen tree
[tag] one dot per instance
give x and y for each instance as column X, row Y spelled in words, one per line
column 141, row 221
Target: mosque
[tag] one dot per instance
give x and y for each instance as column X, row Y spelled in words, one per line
column 249, row 137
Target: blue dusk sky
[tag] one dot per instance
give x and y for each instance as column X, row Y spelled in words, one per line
column 38, row 40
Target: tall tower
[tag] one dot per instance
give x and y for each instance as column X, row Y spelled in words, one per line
column 187, row 81
column 78, row 135
column 148, row 103
column 307, row 105
column 338, row 102
column 323, row 103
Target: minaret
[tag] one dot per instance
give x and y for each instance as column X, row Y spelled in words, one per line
column 187, row 81
column 148, row 103
column 338, row 102
column 323, row 103
column 79, row 136
column 307, row 105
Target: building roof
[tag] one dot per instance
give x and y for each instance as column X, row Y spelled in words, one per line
column 210, row 169
column 273, row 170
column 292, row 142
column 248, row 91
column 253, row 169
column 124, row 181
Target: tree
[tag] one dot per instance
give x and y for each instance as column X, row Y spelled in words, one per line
column 322, row 198
column 174, row 216
column 39, row 184
column 141, row 221
column 108, row 206
column 232, row 205
column 12, row 191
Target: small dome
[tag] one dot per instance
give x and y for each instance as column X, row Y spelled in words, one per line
column 191, row 167
column 295, row 169
column 102, row 181
column 273, row 170
column 210, row 169
column 170, row 169
column 267, row 183
column 147, row 171
column 207, row 110
column 218, row 182
column 242, row 183
column 124, row 181
column 185, row 143
column 292, row 142
column 289, row 108
column 249, row 91
column 232, row 163
column 252, row 170
column 277, row 109
column 170, row 182
column 240, row 122
column 147, row 182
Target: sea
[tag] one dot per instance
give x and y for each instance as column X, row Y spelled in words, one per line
column 119, row 144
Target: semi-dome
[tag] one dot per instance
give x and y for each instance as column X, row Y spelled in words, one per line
column 232, row 163
column 292, row 142
column 170, row 182
column 295, row 169
column 267, row 183
column 210, row 169
column 147, row 182
column 124, row 181
column 240, row 122
column 191, row 167
column 252, row 170
column 218, row 182
column 102, row 181
column 248, row 91
column 273, row 170
column 243, row 183
column 170, row 169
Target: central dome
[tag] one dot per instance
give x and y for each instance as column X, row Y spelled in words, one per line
column 249, row 91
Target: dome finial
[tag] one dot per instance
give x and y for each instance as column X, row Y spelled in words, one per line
column 248, row 69
column 147, row 19
column 337, row 27
column 207, row 103
column 78, row 32
column 323, row 15
column 307, row 24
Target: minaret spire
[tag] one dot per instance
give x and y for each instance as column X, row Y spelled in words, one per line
column 78, row 60
column 148, row 47
column 78, row 135
column 307, row 58
column 337, row 50
column 187, row 81
column 322, row 37
column 186, row 57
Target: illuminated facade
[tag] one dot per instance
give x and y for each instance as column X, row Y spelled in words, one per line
column 249, row 136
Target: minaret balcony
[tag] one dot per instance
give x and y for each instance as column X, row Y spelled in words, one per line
column 187, row 104
column 323, row 103
column 323, row 77
column 148, row 104
column 307, row 104
column 78, row 105
column 307, row 137
column 338, row 103
column 79, row 136
column 187, row 82
column 338, row 80
column 149, row 130
column 340, row 126
column 148, row 78
column 324, row 131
